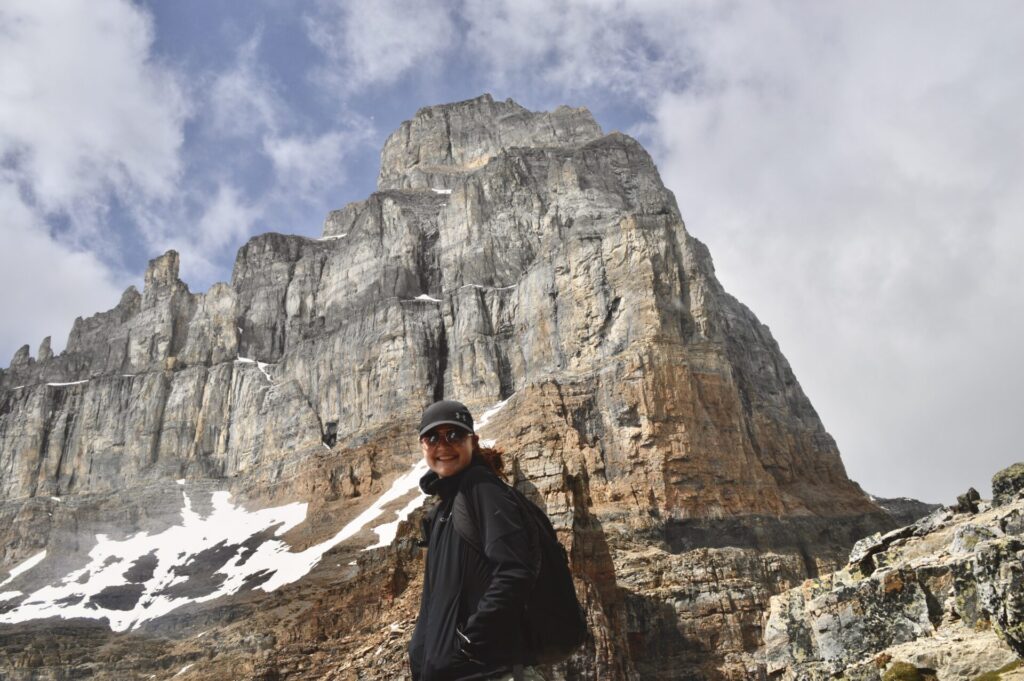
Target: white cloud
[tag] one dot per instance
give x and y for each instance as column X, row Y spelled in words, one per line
column 47, row 283
column 856, row 175
column 375, row 43
column 226, row 218
column 83, row 107
column 306, row 165
column 576, row 45
column 242, row 99
column 86, row 115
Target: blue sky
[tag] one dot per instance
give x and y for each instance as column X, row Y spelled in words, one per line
column 854, row 168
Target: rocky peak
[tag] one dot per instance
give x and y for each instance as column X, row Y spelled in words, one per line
column 22, row 357
column 161, row 278
column 442, row 142
column 45, row 352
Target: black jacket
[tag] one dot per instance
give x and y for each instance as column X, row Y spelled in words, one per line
column 470, row 621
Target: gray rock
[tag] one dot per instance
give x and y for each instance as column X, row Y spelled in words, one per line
column 968, row 501
column 21, row 357
column 45, row 354
column 1008, row 484
column 1013, row 522
column 967, row 537
column 443, row 142
column 944, row 594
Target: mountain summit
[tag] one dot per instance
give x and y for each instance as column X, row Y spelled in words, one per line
column 194, row 482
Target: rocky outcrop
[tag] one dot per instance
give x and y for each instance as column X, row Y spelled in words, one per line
column 1008, row 485
column 943, row 595
column 508, row 257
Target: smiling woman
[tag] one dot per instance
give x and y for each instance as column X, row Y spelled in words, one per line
column 498, row 595
column 447, row 439
column 471, row 612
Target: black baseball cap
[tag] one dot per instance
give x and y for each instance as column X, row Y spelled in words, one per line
column 446, row 412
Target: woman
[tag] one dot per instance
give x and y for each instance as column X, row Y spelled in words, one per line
column 470, row 621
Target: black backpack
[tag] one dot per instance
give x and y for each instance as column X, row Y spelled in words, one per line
column 555, row 623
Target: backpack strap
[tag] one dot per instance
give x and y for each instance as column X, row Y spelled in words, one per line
column 427, row 524
column 465, row 523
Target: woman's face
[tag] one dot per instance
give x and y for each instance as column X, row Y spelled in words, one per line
column 448, row 450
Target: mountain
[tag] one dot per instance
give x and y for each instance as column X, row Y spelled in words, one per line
column 905, row 511
column 222, row 484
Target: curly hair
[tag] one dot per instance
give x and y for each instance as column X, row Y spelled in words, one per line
column 493, row 458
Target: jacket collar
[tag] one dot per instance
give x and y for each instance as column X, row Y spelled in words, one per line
column 433, row 484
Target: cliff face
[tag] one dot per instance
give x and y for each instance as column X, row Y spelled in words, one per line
column 509, row 258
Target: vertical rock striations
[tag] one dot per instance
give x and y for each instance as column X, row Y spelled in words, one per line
column 507, row 255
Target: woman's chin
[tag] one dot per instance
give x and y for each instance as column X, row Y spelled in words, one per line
column 447, row 468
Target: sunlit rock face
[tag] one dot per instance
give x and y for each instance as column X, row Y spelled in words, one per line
column 523, row 262
column 944, row 595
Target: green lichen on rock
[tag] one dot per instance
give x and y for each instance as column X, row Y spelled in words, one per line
column 998, row 674
column 1007, row 484
column 901, row 671
column 1013, row 634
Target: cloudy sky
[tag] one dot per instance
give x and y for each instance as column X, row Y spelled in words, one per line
column 855, row 168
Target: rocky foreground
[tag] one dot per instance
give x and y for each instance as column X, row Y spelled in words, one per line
column 942, row 598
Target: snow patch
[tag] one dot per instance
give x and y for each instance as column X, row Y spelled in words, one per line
column 438, row 190
column 491, row 413
column 399, row 488
column 24, row 567
column 262, row 366
column 184, row 669
column 491, row 288
column 100, row 590
column 170, row 550
column 424, row 296
column 180, row 481
column 386, row 532
column 333, row 236
column 61, row 385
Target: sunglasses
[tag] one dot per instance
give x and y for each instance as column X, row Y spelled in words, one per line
column 452, row 437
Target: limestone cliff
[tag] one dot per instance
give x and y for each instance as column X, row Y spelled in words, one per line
column 511, row 258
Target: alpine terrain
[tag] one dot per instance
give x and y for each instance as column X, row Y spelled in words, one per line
column 223, row 485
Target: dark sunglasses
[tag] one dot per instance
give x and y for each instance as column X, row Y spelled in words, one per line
column 434, row 437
